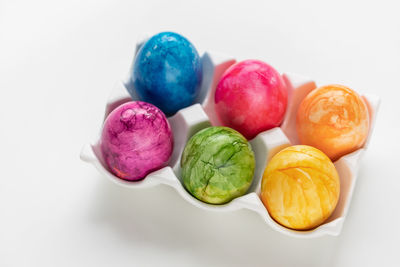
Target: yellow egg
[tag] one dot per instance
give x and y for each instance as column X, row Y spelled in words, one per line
column 300, row 187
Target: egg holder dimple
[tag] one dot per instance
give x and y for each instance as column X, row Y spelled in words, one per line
column 186, row 122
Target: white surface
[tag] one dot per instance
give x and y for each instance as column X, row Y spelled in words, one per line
column 58, row 62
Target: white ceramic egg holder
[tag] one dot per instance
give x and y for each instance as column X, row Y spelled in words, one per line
column 190, row 120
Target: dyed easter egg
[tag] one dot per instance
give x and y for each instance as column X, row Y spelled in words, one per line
column 136, row 140
column 167, row 72
column 217, row 165
column 333, row 119
column 251, row 97
column 300, row 187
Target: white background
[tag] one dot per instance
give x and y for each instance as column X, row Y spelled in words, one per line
column 59, row 61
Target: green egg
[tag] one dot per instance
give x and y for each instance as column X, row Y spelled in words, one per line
column 217, row 165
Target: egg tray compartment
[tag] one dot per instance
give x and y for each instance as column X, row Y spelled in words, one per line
column 186, row 122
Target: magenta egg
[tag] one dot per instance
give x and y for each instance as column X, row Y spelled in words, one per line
column 251, row 97
column 136, row 140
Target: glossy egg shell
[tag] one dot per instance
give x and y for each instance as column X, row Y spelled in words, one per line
column 251, row 97
column 217, row 165
column 300, row 187
column 136, row 140
column 334, row 119
column 167, row 72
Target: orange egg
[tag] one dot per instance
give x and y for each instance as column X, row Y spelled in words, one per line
column 300, row 187
column 334, row 119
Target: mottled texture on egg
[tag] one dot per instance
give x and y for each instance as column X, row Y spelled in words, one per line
column 217, row 165
column 300, row 187
column 167, row 72
column 333, row 119
column 251, row 97
column 136, row 140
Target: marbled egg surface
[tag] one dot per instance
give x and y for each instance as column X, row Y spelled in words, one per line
column 217, row 165
column 251, row 97
column 136, row 140
column 334, row 119
column 167, row 72
column 300, row 187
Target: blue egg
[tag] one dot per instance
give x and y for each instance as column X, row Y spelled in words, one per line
column 167, row 72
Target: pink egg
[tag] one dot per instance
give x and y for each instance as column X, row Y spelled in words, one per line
column 136, row 140
column 251, row 97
